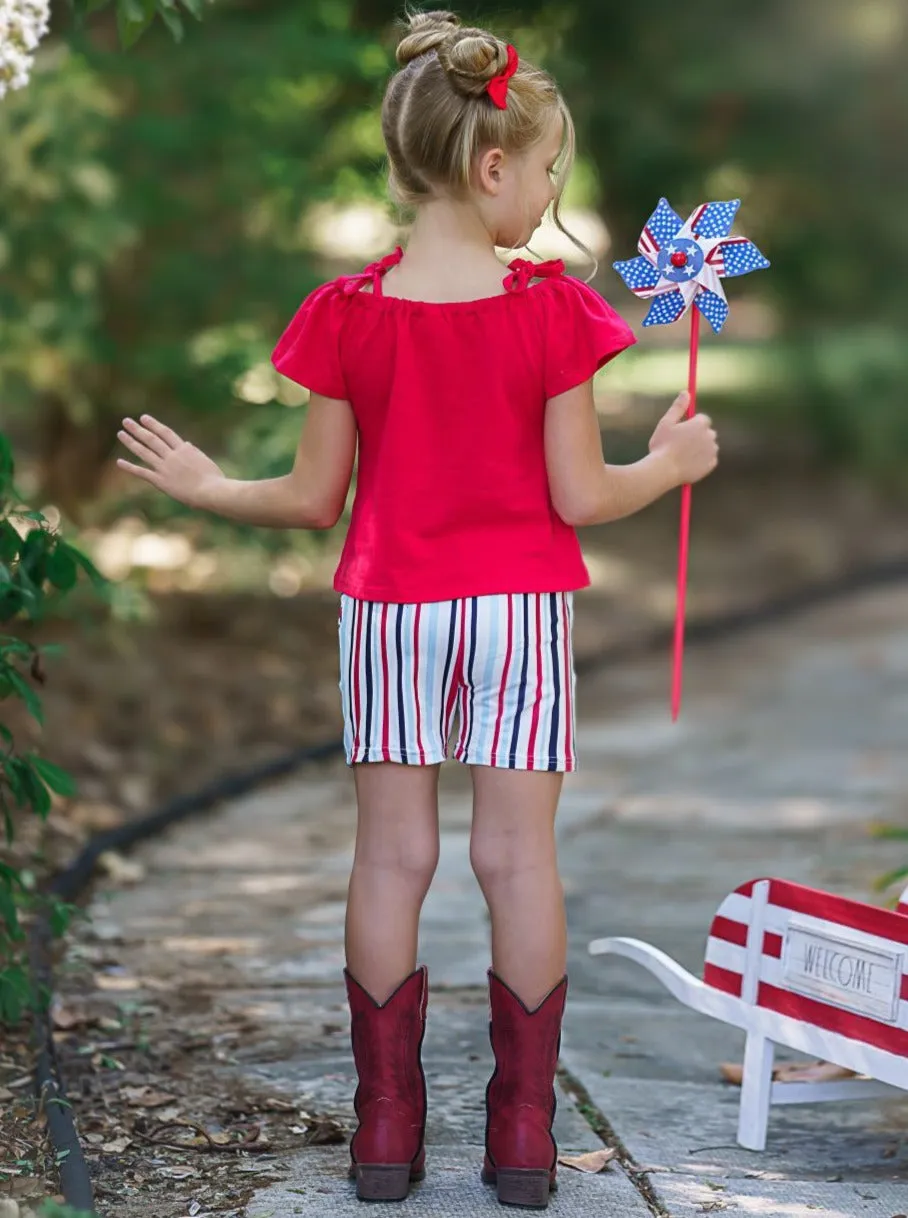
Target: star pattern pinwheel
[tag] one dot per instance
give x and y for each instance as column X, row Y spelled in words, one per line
column 683, row 262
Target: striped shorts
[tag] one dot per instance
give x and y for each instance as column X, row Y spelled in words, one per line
column 502, row 664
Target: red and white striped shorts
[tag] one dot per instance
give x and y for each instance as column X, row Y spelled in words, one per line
column 503, row 663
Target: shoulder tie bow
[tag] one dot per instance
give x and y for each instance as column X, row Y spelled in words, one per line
column 350, row 284
column 523, row 271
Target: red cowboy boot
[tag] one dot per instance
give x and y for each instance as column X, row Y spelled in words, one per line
column 521, row 1154
column 387, row 1151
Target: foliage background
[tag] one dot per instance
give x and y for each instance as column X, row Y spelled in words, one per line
column 157, row 209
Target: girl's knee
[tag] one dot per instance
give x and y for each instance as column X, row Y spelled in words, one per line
column 410, row 858
column 498, row 860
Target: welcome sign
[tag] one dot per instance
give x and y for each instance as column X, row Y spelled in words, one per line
column 842, row 971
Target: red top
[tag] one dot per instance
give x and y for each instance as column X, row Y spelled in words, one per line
column 452, row 496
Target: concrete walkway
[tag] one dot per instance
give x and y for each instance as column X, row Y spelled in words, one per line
column 791, row 742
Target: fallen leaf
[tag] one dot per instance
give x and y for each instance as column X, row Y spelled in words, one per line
column 592, row 1162
column 115, row 982
column 25, row 1188
column 95, row 816
column 5, row 1095
column 177, row 1173
column 791, row 1072
column 121, row 870
column 324, row 1131
column 194, row 1209
column 810, row 1072
column 65, row 1018
column 117, row 1146
column 145, row 1097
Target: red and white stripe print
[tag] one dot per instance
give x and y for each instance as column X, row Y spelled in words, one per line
column 869, row 928
column 503, row 665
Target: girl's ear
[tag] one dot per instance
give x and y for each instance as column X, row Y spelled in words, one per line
column 490, row 171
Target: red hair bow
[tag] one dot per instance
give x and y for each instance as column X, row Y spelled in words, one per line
column 497, row 87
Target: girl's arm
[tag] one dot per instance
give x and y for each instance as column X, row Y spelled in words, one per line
column 311, row 496
column 586, row 491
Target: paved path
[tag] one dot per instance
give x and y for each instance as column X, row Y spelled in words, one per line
column 791, row 742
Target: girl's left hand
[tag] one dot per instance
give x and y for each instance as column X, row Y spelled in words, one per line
column 172, row 464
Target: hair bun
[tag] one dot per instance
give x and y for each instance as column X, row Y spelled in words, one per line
column 427, row 32
column 473, row 59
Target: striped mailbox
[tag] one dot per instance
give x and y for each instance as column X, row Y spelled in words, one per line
column 795, row 966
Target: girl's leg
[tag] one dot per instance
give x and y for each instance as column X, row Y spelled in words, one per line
column 514, row 857
column 394, row 861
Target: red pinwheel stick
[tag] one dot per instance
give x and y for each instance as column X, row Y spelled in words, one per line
column 684, row 538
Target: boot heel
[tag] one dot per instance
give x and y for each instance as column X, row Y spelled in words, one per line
column 524, row 1186
column 382, row 1181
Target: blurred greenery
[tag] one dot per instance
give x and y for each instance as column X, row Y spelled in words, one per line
column 156, row 209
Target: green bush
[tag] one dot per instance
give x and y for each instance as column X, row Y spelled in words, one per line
column 37, row 569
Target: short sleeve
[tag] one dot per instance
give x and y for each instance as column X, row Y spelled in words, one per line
column 583, row 332
column 309, row 349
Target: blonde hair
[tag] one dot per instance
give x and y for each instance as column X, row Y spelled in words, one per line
column 437, row 115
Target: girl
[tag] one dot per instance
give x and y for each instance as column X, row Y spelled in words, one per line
column 468, row 393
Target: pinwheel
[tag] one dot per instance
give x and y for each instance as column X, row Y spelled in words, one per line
column 680, row 264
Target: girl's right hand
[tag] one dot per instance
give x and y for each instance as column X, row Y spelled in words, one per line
column 688, row 445
column 172, row 464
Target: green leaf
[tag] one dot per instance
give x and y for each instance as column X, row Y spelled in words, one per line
column 12, row 770
column 57, row 779
column 195, row 7
column 891, row 832
column 10, row 645
column 37, row 793
column 61, row 915
column 132, row 21
column 6, row 461
column 8, row 826
column 97, row 580
column 61, row 567
column 890, row 878
column 174, row 23
column 9, row 913
column 15, row 991
column 27, row 694
column 10, row 1002
column 33, row 557
column 10, row 542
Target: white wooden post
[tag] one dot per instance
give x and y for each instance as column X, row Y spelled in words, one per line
column 756, row 1090
column 756, row 1084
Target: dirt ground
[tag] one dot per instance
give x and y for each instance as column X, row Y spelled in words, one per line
column 140, row 712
